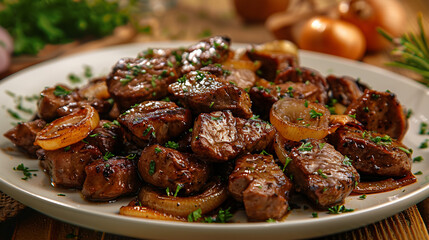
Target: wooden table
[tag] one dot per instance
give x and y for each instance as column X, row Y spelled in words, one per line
column 190, row 20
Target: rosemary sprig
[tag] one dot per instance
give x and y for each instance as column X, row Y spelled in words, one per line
column 412, row 50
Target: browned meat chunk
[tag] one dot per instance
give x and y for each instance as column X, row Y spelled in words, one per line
column 169, row 168
column 136, row 80
column 107, row 137
column 204, row 92
column 109, row 179
column 261, row 185
column 323, row 174
column 372, row 153
column 219, row 136
column 266, row 94
column 305, row 75
column 344, row 89
column 52, row 99
column 154, row 122
column 272, row 62
column 380, row 112
column 95, row 89
column 208, row 51
column 24, row 134
column 66, row 166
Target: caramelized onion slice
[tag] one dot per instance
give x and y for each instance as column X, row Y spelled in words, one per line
column 145, row 212
column 67, row 130
column 211, row 198
column 297, row 119
column 384, row 185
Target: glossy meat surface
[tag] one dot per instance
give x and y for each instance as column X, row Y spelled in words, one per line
column 24, row 134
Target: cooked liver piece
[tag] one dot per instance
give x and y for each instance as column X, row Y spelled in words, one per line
column 107, row 137
column 66, row 166
column 167, row 167
column 208, row 51
column 259, row 182
column 344, row 89
column 24, row 134
column 219, row 136
column 107, row 180
column 52, row 99
column 272, row 63
column 302, row 75
column 204, row 92
column 380, row 112
column 154, row 122
column 321, row 173
column 134, row 80
column 371, row 155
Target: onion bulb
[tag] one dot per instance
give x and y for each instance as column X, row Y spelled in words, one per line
column 211, row 198
column 332, row 36
column 297, row 119
column 69, row 129
column 368, row 15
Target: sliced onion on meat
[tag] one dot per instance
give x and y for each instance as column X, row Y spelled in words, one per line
column 297, row 119
column 211, row 198
column 279, row 147
column 145, row 212
column 69, row 129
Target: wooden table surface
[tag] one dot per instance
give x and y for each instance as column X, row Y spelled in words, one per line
column 190, row 20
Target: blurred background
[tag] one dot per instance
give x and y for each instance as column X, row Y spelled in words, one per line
column 34, row 31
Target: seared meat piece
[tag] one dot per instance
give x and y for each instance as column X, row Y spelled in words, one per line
column 172, row 56
column 52, row 99
column 344, row 89
column 166, row 167
column 323, row 174
column 95, row 89
column 272, row 62
column 380, row 112
column 263, row 187
column 372, row 153
column 66, row 166
column 302, row 75
column 240, row 76
column 154, row 122
column 265, row 95
column 136, row 80
column 107, row 180
column 24, row 134
column 220, row 137
column 204, row 92
column 208, row 51
column 107, row 137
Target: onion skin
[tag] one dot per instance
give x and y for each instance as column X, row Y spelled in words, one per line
column 368, row 15
column 285, row 112
column 211, row 198
column 68, row 130
column 145, row 212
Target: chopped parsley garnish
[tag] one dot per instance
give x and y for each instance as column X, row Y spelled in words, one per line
column 306, row 103
column 321, row 145
column 147, row 130
column 61, row 194
column 409, row 113
column 14, row 114
column 66, row 149
column 152, row 166
column 305, row 147
column 216, row 118
column 314, row 214
column 195, row 215
column 365, row 109
column 108, row 155
column 407, row 151
column 347, row 161
column 287, row 161
column 423, row 128
column 424, row 144
column 339, row 209
column 25, row 170
column 418, row 173
column 320, row 172
column 223, row 216
column 87, row 71
column 60, row 91
column 94, row 135
column 352, row 115
column 271, row 220
column 172, row 144
column 158, row 150
column 314, row 114
column 362, row 197
column 73, row 78
column 254, row 117
column 131, row 156
column 180, row 186
column 264, row 153
column 418, row 159
column 170, row 64
column 211, row 104
column 167, row 191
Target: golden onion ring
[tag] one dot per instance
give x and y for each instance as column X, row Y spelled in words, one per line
column 69, row 129
column 297, row 119
column 145, row 212
column 211, row 198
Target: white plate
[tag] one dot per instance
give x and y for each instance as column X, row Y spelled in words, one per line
column 38, row 194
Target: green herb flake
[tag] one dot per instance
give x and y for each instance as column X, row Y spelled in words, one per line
column 407, row 151
column 314, row 114
column 61, row 92
column 167, row 191
column 423, row 128
column 195, row 215
column 287, row 161
column 418, row 173
column 211, row 104
column 306, row 104
column 271, row 220
column 320, row 172
column 321, row 145
column 362, row 197
column 66, row 149
column 172, row 144
column 152, row 166
column 25, row 170
column 347, row 161
column 14, row 114
column 108, row 155
column 73, row 78
column 147, row 130
column 263, row 152
column 131, row 156
column 339, row 209
column 158, row 150
column 418, row 159
column 305, row 147
column 314, row 214
column 61, row 195
column 94, row 135
column 424, row 144
column 180, row 186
